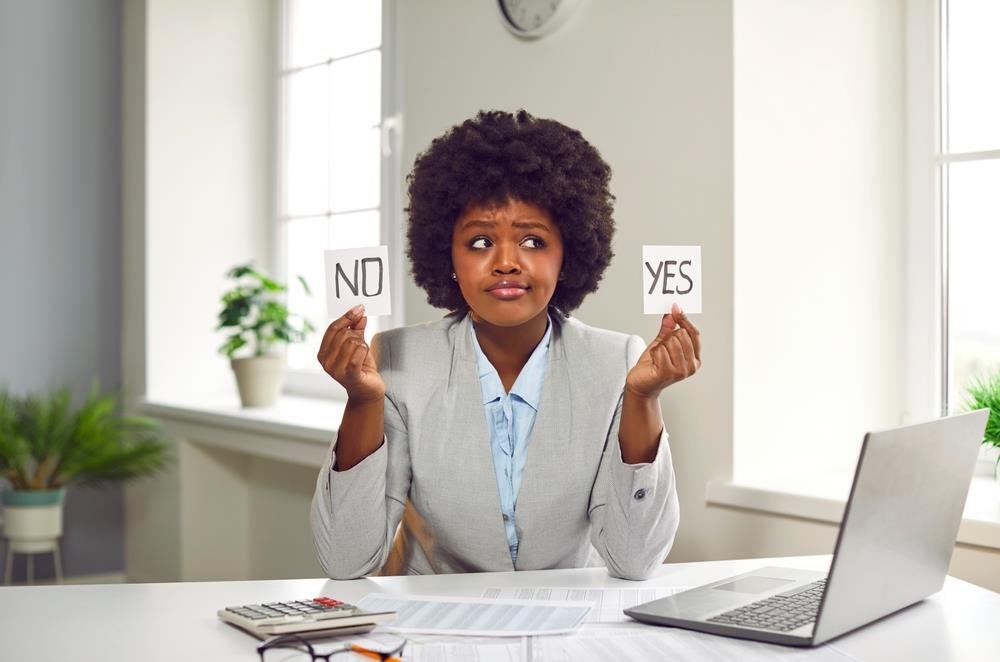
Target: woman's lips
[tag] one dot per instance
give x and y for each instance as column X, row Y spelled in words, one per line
column 508, row 293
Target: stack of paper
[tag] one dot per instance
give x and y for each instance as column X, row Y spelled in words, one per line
column 477, row 616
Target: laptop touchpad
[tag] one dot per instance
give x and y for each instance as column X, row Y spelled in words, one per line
column 753, row 584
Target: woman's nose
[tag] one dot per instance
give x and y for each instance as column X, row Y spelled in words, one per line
column 506, row 261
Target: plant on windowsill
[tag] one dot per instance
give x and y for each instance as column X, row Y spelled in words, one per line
column 46, row 445
column 984, row 392
column 260, row 322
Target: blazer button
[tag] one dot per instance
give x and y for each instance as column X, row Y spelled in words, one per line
column 640, row 494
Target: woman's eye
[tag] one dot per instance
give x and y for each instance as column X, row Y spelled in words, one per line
column 479, row 242
column 535, row 242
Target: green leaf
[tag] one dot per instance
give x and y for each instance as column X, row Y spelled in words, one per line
column 46, row 443
column 251, row 307
column 305, row 285
column 232, row 344
column 983, row 392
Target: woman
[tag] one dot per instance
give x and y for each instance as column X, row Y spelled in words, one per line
column 507, row 435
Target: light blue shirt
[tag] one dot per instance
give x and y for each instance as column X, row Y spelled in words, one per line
column 510, row 418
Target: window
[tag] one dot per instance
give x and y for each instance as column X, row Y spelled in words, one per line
column 338, row 178
column 968, row 167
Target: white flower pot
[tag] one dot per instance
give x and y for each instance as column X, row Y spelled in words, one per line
column 259, row 379
column 33, row 521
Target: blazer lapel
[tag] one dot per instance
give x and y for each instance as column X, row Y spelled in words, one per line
column 548, row 451
column 471, row 458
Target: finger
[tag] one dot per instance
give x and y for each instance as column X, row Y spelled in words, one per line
column 661, row 358
column 690, row 361
column 682, row 319
column 667, row 325
column 331, row 347
column 352, row 319
column 673, row 346
column 343, row 358
column 352, row 371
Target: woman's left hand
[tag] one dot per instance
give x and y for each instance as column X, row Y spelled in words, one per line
column 674, row 354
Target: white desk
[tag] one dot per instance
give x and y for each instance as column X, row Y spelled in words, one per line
column 173, row 622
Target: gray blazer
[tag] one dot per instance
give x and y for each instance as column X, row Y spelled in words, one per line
column 427, row 500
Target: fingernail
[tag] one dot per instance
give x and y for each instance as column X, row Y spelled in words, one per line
column 357, row 310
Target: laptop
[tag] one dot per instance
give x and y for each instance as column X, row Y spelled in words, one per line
column 893, row 549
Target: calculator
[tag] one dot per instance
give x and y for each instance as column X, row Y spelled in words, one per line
column 298, row 616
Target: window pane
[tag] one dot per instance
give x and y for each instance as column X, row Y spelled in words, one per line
column 354, row 230
column 321, row 29
column 305, row 240
column 355, row 163
column 973, row 62
column 356, row 26
column 306, row 141
column 355, row 149
column 974, row 235
column 308, row 28
column 356, row 91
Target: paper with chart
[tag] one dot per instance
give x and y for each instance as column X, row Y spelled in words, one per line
column 608, row 602
column 477, row 616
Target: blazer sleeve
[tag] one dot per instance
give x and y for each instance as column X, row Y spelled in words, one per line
column 634, row 512
column 355, row 513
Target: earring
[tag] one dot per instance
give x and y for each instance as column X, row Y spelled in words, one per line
column 562, row 276
column 454, row 276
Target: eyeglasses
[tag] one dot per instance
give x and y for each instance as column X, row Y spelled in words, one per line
column 276, row 648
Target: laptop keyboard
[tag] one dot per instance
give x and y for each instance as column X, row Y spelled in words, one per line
column 783, row 612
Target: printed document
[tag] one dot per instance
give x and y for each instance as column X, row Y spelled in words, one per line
column 477, row 616
column 608, row 602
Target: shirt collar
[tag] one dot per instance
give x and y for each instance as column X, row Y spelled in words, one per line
column 528, row 385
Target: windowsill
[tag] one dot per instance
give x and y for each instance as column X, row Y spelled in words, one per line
column 297, row 429
column 823, row 498
column 311, row 423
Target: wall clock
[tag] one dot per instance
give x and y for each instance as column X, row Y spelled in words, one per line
column 531, row 19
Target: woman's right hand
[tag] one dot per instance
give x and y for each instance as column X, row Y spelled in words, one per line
column 347, row 358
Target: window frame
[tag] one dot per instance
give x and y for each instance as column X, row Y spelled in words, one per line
column 927, row 161
column 923, row 378
column 316, row 383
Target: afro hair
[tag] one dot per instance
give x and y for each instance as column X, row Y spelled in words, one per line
column 497, row 156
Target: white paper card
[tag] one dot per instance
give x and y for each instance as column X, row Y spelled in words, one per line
column 476, row 616
column 669, row 274
column 357, row 275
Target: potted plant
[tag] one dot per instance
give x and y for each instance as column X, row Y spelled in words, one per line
column 984, row 392
column 47, row 445
column 260, row 321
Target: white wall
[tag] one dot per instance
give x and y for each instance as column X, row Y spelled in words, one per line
column 209, row 107
column 819, row 231
column 198, row 104
column 60, row 180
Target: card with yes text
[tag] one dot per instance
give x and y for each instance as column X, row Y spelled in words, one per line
column 671, row 274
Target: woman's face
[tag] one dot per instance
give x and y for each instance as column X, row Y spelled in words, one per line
column 507, row 260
